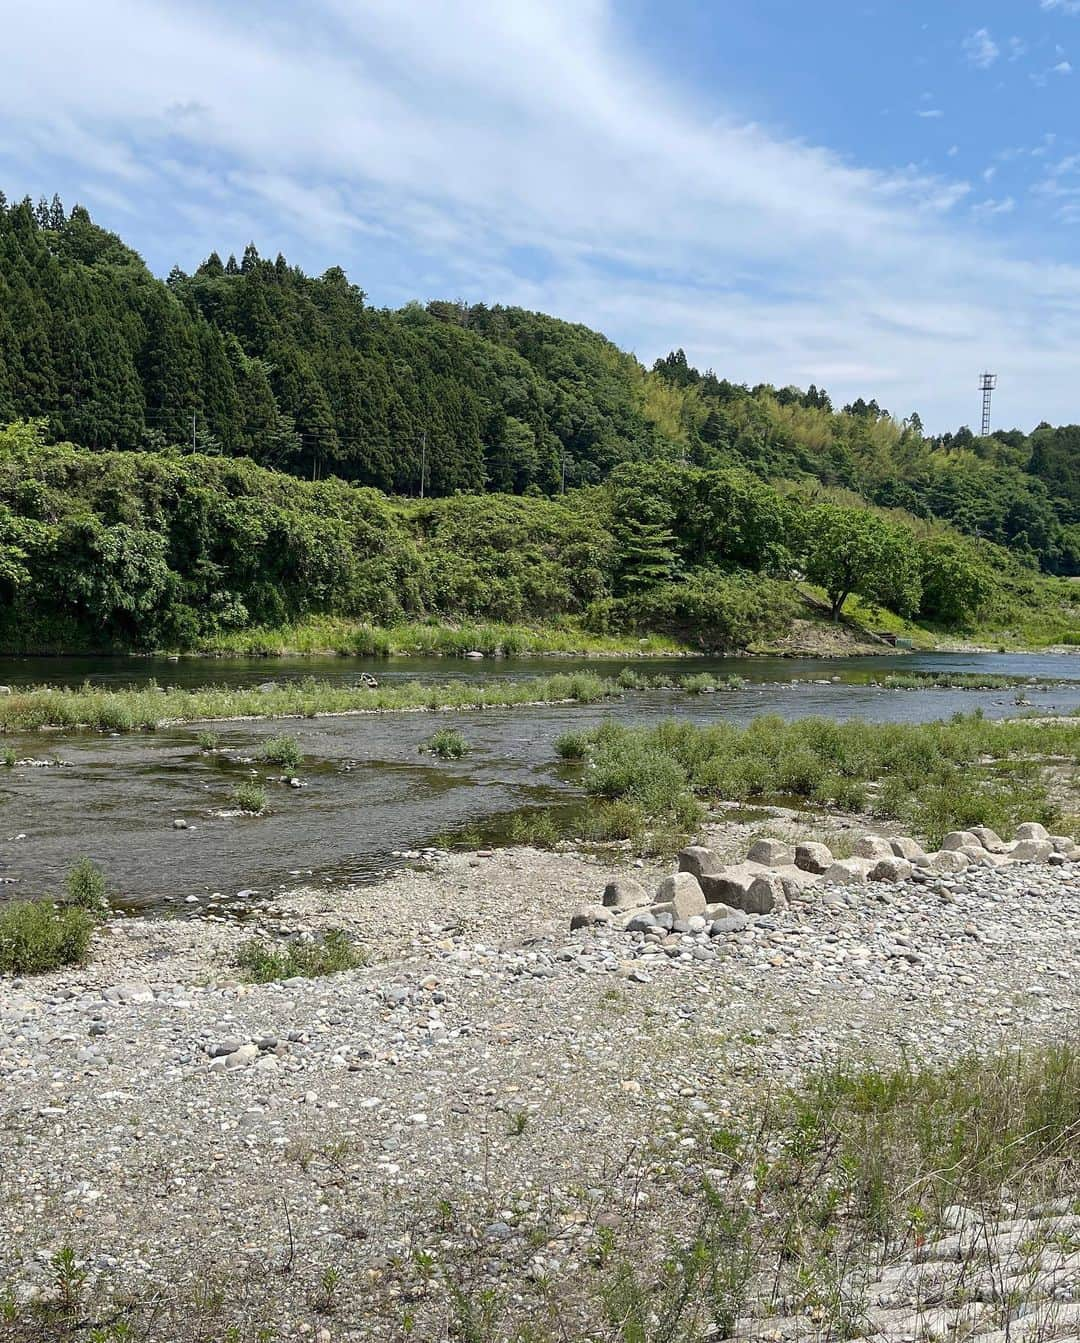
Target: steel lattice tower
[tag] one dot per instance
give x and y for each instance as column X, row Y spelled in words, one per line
column 987, row 383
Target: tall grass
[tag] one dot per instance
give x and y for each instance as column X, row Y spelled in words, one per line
column 335, row 634
column 934, row 776
column 330, row 955
column 149, row 707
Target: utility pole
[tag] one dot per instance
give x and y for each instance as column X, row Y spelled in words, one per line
column 423, row 461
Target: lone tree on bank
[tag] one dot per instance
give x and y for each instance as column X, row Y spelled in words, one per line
column 848, row 550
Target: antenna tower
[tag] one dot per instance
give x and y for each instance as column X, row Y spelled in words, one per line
column 987, row 383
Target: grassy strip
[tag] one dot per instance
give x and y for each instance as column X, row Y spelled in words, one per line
column 149, row 706
column 352, row 638
column 934, row 777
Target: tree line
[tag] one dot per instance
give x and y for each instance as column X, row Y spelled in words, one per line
column 125, row 550
column 251, row 358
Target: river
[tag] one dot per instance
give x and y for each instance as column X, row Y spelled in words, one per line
column 369, row 790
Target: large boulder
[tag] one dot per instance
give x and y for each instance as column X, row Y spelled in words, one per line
column 949, row 861
column 850, row 871
column 766, row 893
column 1031, row 851
column 625, row 893
column 872, row 846
column 910, row 849
column 731, row 885
column 977, row 856
column 590, row 916
column 771, row 853
column 697, row 859
column 891, row 869
column 811, row 857
column 1032, row 830
column 961, row 839
column 1064, row 844
column 683, row 893
column 989, row 839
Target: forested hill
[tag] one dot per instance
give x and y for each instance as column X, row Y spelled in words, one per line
column 254, row 358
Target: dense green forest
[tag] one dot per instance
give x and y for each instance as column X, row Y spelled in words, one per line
column 249, row 446
column 115, row 550
column 253, row 358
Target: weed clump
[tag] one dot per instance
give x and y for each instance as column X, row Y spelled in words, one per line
column 282, row 751
column 36, row 936
column 335, row 952
column 250, row 796
column 446, row 744
column 86, row 888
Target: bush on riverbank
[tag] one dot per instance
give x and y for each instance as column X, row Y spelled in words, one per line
column 36, row 936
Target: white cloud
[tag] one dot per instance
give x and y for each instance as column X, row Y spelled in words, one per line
column 1062, row 68
column 930, row 113
column 428, row 146
column 1063, row 6
column 980, row 49
column 994, row 207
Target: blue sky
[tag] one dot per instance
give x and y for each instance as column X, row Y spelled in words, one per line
column 881, row 198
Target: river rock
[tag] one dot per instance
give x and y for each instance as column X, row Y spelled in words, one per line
column 1031, row 851
column 961, row 839
column 697, row 859
column 949, row 860
column 625, row 893
column 1032, row 830
column 731, row 885
column 977, row 856
column 811, row 857
column 588, row 916
column 911, row 849
column 872, row 846
column 851, row 871
column 683, row 893
column 891, row 869
column 989, row 839
column 1064, row 844
column 771, row 853
column 766, row 893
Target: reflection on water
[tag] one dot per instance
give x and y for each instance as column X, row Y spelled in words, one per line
column 368, row 789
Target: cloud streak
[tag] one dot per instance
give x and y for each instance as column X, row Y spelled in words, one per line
column 431, row 146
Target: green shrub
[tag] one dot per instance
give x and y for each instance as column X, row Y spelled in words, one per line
column 282, row 751
column 209, row 741
column 10, row 758
column 572, row 746
column 536, row 829
column 250, row 796
column 36, row 936
column 333, row 953
column 86, row 887
column 446, row 744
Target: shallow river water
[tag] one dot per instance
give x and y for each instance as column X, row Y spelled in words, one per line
column 368, row 789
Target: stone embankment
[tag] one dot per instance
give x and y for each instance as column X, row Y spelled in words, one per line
column 707, row 896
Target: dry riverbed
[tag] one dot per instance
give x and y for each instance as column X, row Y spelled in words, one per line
column 493, row 1091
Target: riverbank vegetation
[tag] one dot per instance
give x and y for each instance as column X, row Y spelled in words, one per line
column 565, row 491
column 150, row 706
column 37, row 935
column 932, row 777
